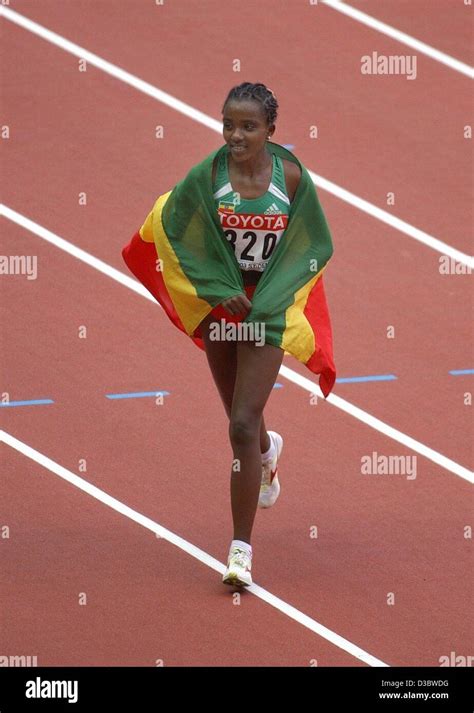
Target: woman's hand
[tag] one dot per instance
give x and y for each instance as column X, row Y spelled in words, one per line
column 239, row 304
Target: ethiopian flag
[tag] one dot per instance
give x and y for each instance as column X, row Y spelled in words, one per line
column 181, row 255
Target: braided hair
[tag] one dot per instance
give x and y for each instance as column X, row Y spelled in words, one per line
column 259, row 92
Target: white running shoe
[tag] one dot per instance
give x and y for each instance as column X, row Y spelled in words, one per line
column 238, row 569
column 270, row 487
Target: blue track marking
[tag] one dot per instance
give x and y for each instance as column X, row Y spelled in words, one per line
column 138, row 395
column 34, row 402
column 354, row 379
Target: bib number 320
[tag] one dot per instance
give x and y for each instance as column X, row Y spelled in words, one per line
column 243, row 243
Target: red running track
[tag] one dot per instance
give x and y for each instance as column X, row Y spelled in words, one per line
column 148, row 600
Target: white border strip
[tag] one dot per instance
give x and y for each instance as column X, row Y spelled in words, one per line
column 216, row 126
column 286, row 372
column 189, row 548
column 402, row 37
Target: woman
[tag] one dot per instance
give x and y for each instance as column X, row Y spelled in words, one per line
column 236, row 248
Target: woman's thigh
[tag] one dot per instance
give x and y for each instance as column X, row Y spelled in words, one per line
column 257, row 371
column 222, row 358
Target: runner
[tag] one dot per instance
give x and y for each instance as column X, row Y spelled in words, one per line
column 235, row 255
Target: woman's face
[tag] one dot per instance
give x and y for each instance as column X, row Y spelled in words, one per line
column 245, row 128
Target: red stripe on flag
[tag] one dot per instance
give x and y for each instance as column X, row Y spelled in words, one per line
column 141, row 259
column 322, row 360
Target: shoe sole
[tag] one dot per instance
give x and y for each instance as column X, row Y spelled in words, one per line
column 234, row 581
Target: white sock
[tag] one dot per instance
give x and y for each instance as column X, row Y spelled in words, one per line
column 271, row 451
column 243, row 545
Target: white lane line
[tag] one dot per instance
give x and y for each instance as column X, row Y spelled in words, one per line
column 189, row 548
column 210, row 123
column 76, row 252
column 402, row 37
column 285, row 371
column 110, row 68
column 392, row 221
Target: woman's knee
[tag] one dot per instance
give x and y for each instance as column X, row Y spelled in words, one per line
column 243, row 427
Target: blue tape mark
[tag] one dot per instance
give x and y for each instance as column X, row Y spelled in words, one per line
column 460, row 372
column 354, row 379
column 276, row 385
column 34, row 402
column 288, row 146
column 137, row 395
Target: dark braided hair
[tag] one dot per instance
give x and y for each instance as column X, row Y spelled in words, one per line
column 259, row 92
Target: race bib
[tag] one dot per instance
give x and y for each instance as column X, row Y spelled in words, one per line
column 253, row 237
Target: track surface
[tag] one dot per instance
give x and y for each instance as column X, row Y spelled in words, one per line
column 77, row 131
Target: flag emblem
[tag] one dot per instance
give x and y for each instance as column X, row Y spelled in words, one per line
column 226, row 207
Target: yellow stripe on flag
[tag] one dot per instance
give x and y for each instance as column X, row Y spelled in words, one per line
column 190, row 308
column 298, row 337
column 146, row 231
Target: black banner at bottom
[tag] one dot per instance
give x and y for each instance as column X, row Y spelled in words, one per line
column 85, row 689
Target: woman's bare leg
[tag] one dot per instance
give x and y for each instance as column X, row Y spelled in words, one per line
column 222, row 359
column 257, row 370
